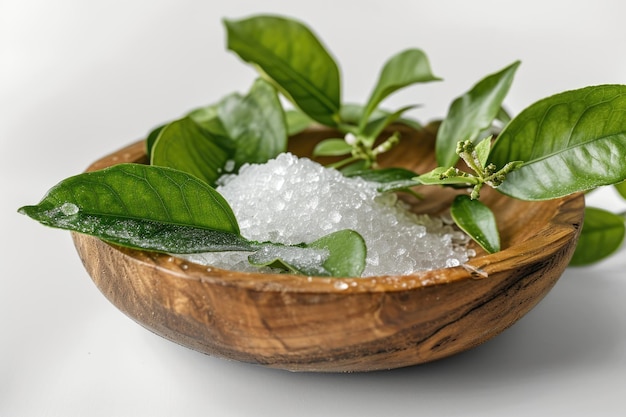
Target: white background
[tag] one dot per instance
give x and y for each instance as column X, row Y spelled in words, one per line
column 80, row 79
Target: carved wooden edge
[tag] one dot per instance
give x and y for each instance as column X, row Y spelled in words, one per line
column 565, row 222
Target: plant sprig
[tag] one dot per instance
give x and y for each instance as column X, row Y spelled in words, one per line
column 570, row 142
column 475, row 158
column 167, row 210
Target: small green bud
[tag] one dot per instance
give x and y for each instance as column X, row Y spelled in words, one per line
column 464, row 146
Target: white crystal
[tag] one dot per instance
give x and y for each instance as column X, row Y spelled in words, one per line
column 69, row 209
column 291, row 200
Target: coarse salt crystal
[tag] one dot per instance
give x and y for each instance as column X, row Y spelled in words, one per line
column 291, row 200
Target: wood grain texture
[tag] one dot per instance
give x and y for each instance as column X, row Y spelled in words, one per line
column 364, row 324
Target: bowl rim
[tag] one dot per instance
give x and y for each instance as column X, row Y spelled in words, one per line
column 564, row 223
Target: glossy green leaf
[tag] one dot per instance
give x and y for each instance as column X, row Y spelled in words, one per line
column 503, row 116
column 332, row 147
column 472, row 113
column 208, row 119
column 400, row 185
column 403, row 69
column 389, row 179
column 346, row 253
column 573, row 141
column 144, row 207
column 152, row 137
column 384, row 175
column 351, row 113
column 602, row 235
column 289, row 54
column 255, row 123
column 482, row 151
column 477, row 220
column 185, row 146
column 354, row 166
column 339, row 254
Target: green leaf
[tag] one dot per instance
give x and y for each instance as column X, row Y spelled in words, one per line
column 410, row 122
column 399, row 185
column 573, row 141
column 472, row 113
column 602, row 234
column 384, row 175
column 482, row 151
column 152, row 137
column 339, row 254
column 208, row 119
column 255, row 123
column 446, row 176
column 401, row 70
column 352, row 113
column 332, row 147
column 297, row 121
column 185, row 146
column 347, row 252
column 621, row 188
column 289, row 54
column 390, row 179
column 477, row 220
column 503, row 116
column 354, row 165
column 143, row 207
column 249, row 129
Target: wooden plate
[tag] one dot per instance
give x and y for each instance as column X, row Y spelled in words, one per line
column 333, row 325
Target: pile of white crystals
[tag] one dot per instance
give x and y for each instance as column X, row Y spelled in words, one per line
column 291, row 200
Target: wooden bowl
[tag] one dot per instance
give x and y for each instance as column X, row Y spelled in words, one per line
column 334, row 325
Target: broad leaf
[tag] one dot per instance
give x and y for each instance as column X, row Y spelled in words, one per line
column 351, row 113
column 478, row 221
column 145, row 207
column 185, row 146
column 208, row 119
column 290, row 55
column 503, row 116
column 482, row 151
column 401, row 70
column 384, row 175
column 399, row 185
column 354, row 166
column 332, row 147
column 602, row 234
column 255, row 123
column 389, row 179
column 346, row 253
column 472, row 113
column 339, row 254
column 570, row 142
column 152, row 137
